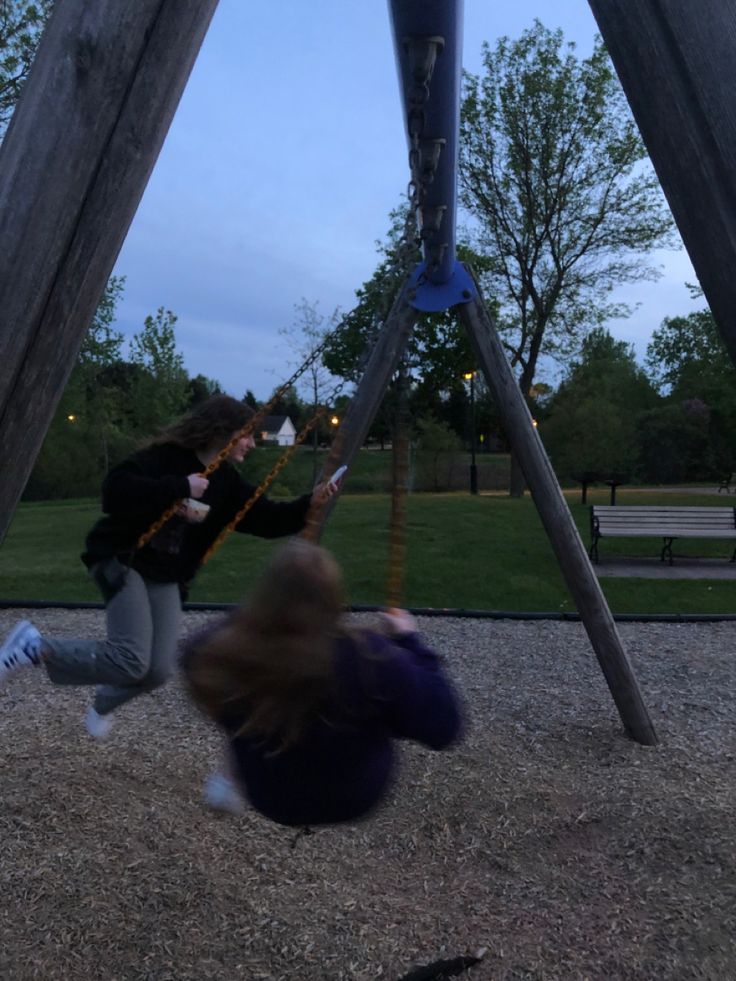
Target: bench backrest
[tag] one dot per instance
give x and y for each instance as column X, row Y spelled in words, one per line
column 706, row 519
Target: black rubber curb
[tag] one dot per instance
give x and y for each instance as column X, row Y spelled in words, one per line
column 431, row 611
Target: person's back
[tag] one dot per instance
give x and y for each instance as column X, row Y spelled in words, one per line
column 344, row 761
column 337, row 762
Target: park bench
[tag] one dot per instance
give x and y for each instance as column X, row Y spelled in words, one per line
column 669, row 523
column 725, row 483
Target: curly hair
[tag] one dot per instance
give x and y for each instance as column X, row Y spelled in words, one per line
column 272, row 660
column 211, row 423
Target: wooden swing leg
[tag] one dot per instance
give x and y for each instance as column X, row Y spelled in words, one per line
column 383, row 361
column 558, row 522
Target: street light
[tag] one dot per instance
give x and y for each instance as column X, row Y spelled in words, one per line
column 470, row 376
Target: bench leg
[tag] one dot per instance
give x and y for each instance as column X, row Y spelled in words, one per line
column 593, row 551
column 666, row 550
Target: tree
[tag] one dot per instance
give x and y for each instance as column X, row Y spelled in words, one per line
column 438, row 454
column 690, row 363
column 564, row 205
column 688, row 352
column 89, row 426
column 102, row 345
column 200, row 388
column 21, row 26
column 160, row 391
column 593, row 417
column 674, row 443
column 438, row 352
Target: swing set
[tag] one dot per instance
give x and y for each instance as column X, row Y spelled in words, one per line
column 91, row 121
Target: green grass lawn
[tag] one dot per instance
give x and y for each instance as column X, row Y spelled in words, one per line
column 488, row 552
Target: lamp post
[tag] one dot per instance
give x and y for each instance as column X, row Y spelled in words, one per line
column 470, row 376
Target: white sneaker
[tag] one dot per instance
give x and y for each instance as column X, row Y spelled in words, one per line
column 22, row 649
column 221, row 794
column 98, row 726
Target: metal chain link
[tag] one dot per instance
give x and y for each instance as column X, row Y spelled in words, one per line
column 265, row 484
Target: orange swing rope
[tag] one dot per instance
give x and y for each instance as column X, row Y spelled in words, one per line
column 264, row 485
column 399, row 489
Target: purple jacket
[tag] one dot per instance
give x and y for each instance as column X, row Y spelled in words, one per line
column 387, row 689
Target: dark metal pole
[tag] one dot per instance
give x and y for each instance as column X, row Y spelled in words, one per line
column 473, row 467
column 558, row 522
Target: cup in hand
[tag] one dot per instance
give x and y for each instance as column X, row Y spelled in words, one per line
column 195, row 511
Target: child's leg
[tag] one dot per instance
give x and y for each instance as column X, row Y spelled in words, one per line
column 222, row 788
column 163, row 604
column 123, row 659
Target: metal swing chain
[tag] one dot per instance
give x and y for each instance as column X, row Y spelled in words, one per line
column 264, row 484
column 222, row 455
column 422, row 173
column 424, row 153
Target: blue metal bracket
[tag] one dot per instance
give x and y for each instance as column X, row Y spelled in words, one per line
column 433, row 297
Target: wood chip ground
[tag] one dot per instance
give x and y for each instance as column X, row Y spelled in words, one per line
column 547, row 837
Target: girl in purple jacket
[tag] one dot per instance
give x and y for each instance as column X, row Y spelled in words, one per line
column 310, row 706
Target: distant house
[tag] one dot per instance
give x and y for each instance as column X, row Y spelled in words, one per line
column 278, row 431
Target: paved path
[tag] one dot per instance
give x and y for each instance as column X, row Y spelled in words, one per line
column 646, row 567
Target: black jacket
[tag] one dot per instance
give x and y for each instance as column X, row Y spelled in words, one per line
column 142, row 487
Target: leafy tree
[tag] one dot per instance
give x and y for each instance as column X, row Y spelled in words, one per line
column 102, row 345
column 684, row 350
column 160, row 390
column 438, row 454
column 200, row 388
column 438, row 352
column 21, row 26
column 674, row 443
column 689, row 361
column 89, row 426
column 592, row 418
column 564, row 206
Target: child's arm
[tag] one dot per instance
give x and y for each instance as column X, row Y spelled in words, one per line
column 419, row 700
column 133, row 486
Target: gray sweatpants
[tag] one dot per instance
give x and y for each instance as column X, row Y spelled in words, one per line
column 139, row 653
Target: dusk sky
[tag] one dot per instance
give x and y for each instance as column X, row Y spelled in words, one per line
column 278, row 174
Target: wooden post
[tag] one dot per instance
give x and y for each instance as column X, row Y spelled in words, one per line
column 74, row 163
column 677, row 61
column 372, row 387
column 558, row 522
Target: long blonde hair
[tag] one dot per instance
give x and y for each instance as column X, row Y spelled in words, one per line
column 272, row 659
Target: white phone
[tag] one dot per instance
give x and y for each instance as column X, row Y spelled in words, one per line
column 338, row 474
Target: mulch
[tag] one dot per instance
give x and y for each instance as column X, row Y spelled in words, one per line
column 547, row 837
